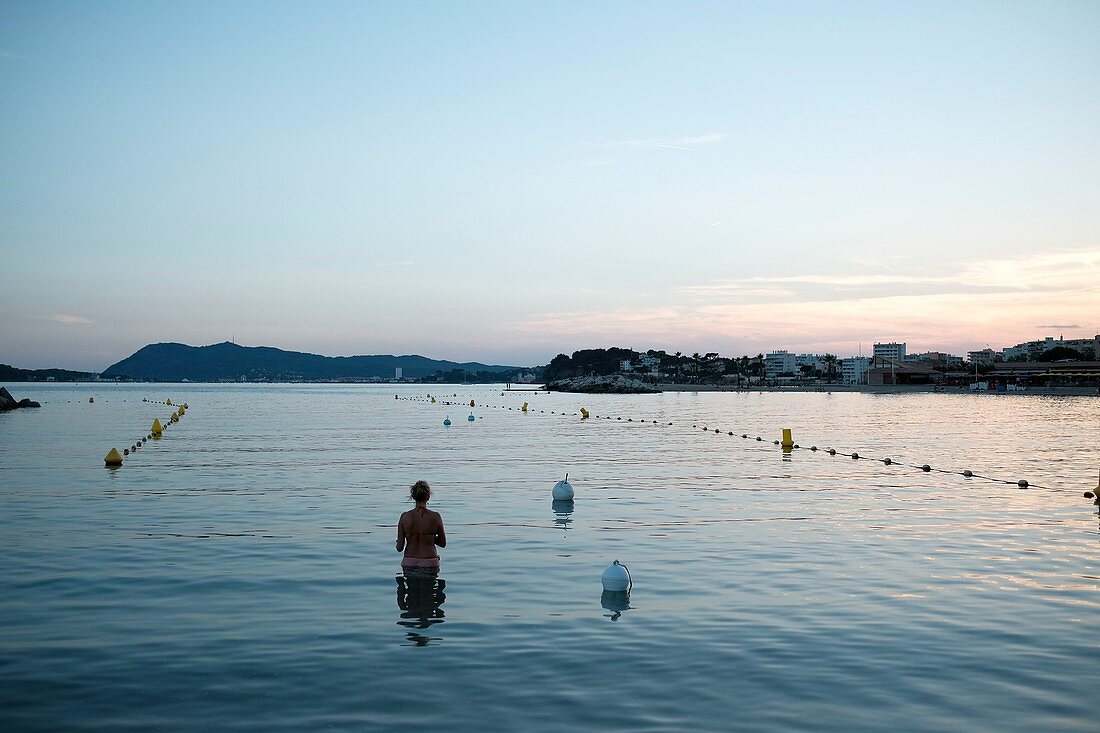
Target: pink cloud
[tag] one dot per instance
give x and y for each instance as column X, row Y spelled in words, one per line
column 994, row 302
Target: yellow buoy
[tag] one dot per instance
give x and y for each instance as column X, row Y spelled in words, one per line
column 113, row 458
column 168, row 402
column 471, row 403
column 175, row 417
column 584, row 414
column 91, row 399
column 182, row 410
column 524, row 407
column 157, row 429
column 788, row 441
column 433, row 400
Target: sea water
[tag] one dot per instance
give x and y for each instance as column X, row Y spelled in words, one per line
column 240, row 573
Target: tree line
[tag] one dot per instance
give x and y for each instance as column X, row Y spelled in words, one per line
column 677, row 366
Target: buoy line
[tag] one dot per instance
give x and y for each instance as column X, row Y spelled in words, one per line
column 114, row 459
column 616, row 578
column 855, row 455
column 926, row 468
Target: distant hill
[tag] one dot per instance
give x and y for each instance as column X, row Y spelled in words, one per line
column 13, row 374
column 230, row 362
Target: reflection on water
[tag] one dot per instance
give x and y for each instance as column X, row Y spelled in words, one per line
column 419, row 596
column 563, row 513
column 615, row 601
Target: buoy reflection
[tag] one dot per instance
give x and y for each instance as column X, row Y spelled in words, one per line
column 563, row 512
column 615, row 601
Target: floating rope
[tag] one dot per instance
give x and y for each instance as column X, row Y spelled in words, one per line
column 926, row 468
column 114, row 460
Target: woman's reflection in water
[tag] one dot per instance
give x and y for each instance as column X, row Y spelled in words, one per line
column 419, row 596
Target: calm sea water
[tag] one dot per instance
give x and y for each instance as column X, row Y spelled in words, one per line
column 239, row 574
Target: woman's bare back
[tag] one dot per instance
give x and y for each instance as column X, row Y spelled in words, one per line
column 419, row 531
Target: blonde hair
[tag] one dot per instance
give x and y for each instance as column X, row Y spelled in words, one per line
column 420, row 491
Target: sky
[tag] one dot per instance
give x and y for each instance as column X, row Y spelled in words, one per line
column 502, row 182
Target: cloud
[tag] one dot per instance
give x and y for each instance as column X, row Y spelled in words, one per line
column 398, row 263
column 1059, row 325
column 66, row 319
column 10, row 55
column 1074, row 270
column 691, row 143
column 702, row 139
column 975, row 302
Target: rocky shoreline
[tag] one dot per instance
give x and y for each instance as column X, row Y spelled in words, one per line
column 614, row 384
column 7, row 402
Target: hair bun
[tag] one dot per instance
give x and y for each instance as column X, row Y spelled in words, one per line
column 420, row 491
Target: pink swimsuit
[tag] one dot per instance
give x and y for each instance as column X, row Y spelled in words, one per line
column 420, row 562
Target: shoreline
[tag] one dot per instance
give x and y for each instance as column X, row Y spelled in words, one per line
column 883, row 389
column 664, row 387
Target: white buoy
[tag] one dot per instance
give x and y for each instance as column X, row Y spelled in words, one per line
column 563, row 490
column 616, row 577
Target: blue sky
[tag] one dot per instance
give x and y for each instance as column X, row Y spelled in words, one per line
column 504, row 181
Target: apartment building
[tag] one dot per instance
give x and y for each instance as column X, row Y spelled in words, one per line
column 853, row 370
column 892, row 351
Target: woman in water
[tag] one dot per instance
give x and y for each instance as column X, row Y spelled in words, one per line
column 419, row 531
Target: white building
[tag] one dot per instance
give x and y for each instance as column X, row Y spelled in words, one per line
column 1090, row 348
column 398, row 372
column 893, row 351
column 780, row 362
column 1032, row 350
column 938, row 359
column 853, row 370
column 984, row 356
column 817, row 361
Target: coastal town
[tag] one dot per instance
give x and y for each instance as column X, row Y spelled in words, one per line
column 1051, row 365
column 1048, row 363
